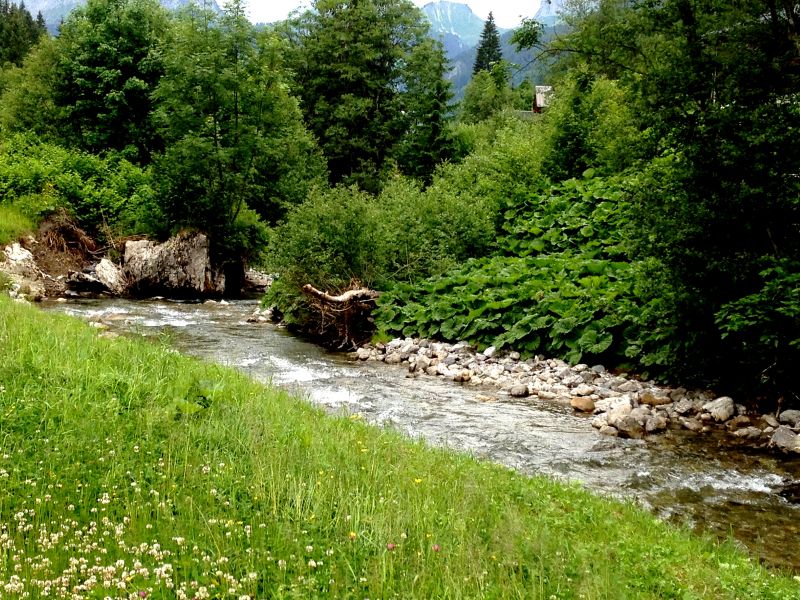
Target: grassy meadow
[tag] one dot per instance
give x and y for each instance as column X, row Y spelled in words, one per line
column 130, row 471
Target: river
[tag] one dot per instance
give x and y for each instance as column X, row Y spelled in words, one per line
column 699, row 481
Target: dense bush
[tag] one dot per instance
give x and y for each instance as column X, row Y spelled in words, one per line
column 342, row 236
column 108, row 194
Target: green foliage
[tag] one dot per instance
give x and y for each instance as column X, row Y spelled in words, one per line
column 558, row 305
column 590, row 125
column 330, row 240
column 762, row 330
column 27, row 100
column 343, row 235
column 489, row 54
column 37, row 178
column 485, row 95
column 579, row 216
column 564, row 289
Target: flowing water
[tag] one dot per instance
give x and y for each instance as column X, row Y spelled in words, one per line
column 701, row 481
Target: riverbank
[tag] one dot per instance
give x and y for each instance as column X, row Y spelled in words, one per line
column 620, row 405
column 130, row 465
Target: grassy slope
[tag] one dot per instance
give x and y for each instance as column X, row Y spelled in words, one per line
column 262, row 495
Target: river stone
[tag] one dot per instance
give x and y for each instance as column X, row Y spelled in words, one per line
column 790, row 417
column 720, row 409
column 519, row 391
column 545, row 395
column 629, row 386
column 653, row 399
column 431, row 370
column 656, row 423
column 685, row 406
column 423, row 362
column 583, row 390
column 677, row 394
column 363, row 353
column 691, row 424
column 609, row 430
column 490, row 352
column 618, row 412
column 771, row 421
column 630, row 427
column 572, row 380
column 441, row 369
column 600, row 421
column 748, row 433
column 785, row 439
column 739, row 422
column 393, row 358
column 582, row 404
column 462, row 376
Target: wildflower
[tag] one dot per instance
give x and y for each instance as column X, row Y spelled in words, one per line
column 352, row 535
column 312, row 564
column 390, row 546
column 309, row 549
column 418, row 481
column 436, row 547
column 282, row 564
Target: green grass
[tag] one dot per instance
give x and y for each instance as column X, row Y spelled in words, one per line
column 13, row 224
column 127, row 470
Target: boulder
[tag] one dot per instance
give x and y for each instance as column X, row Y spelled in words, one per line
column 720, row 409
column 111, row 276
column 363, row 353
column 790, row 417
column 181, row 267
column 582, row 404
column 20, row 266
column 785, row 439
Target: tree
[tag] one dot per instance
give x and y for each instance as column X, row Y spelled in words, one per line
column 427, row 141
column 486, row 94
column 489, row 53
column 351, row 68
column 109, row 64
column 235, row 142
column 19, row 32
column 27, row 103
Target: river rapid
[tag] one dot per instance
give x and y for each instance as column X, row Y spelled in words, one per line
column 699, row 481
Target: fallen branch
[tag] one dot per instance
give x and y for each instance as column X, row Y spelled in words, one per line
column 360, row 295
column 348, row 313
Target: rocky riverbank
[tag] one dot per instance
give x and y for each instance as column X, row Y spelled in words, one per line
column 617, row 404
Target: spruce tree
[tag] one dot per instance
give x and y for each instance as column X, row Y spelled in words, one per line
column 489, row 47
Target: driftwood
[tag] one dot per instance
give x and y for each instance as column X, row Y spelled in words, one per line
column 345, row 317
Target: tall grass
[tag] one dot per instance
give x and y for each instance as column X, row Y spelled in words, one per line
column 130, row 471
column 13, row 224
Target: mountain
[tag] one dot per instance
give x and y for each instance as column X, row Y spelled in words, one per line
column 54, row 11
column 549, row 12
column 455, row 25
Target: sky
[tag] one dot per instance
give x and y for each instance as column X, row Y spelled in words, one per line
column 507, row 13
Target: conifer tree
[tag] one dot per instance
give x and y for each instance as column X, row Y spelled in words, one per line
column 489, row 52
